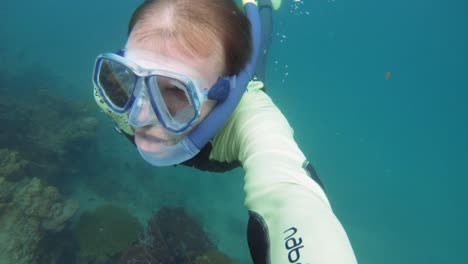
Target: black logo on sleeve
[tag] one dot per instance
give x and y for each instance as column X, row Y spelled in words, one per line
column 293, row 245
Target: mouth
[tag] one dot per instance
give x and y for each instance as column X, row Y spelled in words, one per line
column 154, row 139
column 148, row 142
column 147, row 137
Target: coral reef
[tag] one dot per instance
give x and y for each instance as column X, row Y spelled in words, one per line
column 12, row 168
column 59, row 214
column 105, row 232
column 28, row 210
column 173, row 237
column 47, row 132
column 51, row 138
column 47, row 137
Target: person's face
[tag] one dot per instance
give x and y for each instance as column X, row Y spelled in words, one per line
column 209, row 68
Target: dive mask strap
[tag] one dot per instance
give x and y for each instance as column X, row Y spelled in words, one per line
column 220, row 89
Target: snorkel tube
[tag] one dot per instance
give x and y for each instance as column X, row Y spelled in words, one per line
column 218, row 116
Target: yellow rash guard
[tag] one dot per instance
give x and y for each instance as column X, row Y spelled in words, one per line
column 291, row 220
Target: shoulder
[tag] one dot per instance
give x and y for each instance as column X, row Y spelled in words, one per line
column 254, row 105
column 257, row 111
column 255, row 117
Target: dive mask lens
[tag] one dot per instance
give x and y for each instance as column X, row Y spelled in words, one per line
column 174, row 101
column 116, row 82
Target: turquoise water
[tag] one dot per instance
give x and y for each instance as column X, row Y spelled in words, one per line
column 392, row 152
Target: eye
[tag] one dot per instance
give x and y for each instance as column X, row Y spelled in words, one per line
column 175, row 95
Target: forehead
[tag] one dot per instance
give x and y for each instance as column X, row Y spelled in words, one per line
column 175, row 52
column 173, row 32
column 151, row 60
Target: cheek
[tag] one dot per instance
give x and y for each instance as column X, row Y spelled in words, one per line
column 206, row 109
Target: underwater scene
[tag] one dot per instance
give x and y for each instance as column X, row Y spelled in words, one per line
column 376, row 92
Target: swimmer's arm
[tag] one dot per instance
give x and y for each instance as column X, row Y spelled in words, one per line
column 289, row 211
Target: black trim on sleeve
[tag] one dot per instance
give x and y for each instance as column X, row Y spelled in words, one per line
column 257, row 238
column 312, row 173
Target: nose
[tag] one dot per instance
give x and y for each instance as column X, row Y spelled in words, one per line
column 141, row 113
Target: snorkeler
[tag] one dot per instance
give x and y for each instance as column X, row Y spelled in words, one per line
column 186, row 90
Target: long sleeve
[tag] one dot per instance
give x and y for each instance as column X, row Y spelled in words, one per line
column 291, row 220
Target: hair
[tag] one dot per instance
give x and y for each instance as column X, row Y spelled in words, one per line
column 199, row 26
